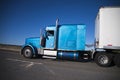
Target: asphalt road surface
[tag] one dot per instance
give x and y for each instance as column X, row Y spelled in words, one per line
column 13, row 66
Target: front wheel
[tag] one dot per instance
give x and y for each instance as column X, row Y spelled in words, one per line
column 27, row 52
column 104, row 59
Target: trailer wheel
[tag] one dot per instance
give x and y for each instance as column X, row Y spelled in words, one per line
column 104, row 59
column 27, row 52
column 117, row 60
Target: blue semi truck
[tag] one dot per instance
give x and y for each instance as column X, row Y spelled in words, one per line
column 59, row 41
column 68, row 41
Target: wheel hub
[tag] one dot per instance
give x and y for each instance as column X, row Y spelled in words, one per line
column 27, row 52
column 103, row 59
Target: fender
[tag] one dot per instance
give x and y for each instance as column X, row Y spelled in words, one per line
column 28, row 45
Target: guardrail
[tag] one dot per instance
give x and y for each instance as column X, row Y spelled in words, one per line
column 10, row 47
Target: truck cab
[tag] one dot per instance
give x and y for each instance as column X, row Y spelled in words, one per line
column 65, row 41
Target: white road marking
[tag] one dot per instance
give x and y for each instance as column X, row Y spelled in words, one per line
column 18, row 60
column 29, row 65
column 51, row 71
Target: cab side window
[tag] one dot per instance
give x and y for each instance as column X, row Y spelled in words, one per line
column 50, row 33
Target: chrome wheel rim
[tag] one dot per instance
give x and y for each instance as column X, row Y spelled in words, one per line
column 27, row 52
column 103, row 59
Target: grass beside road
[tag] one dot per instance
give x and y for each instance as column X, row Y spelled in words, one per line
column 10, row 47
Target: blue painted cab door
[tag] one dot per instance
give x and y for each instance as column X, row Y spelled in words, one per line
column 50, row 39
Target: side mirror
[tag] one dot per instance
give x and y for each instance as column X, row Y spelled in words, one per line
column 43, row 41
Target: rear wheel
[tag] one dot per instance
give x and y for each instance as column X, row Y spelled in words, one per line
column 117, row 60
column 104, row 59
column 27, row 52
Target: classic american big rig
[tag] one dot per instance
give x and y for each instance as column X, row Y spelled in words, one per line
column 68, row 41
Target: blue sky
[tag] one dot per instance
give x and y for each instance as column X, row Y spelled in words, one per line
column 20, row 19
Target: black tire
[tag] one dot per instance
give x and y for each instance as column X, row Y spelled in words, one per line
column 117, row 60
column 27, row 52
column 104, row 59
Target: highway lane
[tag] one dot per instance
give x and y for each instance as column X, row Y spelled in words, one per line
column 13, row 66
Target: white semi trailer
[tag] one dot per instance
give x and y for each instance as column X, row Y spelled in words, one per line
column 107, row 36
